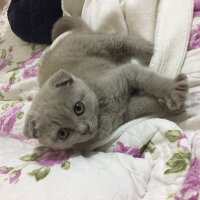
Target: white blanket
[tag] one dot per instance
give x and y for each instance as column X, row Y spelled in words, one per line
column 156, row 173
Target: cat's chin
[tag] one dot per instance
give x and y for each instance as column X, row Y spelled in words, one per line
column 85, row 145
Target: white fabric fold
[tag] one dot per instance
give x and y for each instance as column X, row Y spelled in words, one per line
column 172, row 34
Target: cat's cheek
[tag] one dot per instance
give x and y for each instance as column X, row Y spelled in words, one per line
column 94, row 125
column 47, row 142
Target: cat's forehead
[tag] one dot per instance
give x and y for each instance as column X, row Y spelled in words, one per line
column 55, row 110
column 56, row 106
column 67, row 94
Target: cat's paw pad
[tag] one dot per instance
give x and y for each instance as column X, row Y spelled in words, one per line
column 177, row 97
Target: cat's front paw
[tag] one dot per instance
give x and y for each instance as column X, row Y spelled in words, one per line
column 176, row 98
column 148, row 51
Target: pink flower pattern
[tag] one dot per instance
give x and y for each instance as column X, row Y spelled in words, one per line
column 195, row 34
column 30, row 67
column 6, row 61
column 14, row 176
column 44, row 157
column 33, row 142
column 181, row 143
column 133, row 151
column 50, row 157
column 1, row 22
column 191, row 186
column 31, row 72
column 3, row 171
column 23, row 70
column 8, row 120
column 5, row 88
column 30, row 98
column 31, row 61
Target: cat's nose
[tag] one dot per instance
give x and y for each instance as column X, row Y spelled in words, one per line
column 87, row 131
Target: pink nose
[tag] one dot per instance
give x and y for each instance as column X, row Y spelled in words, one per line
column 87, row 131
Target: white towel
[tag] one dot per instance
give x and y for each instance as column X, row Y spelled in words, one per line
column 173, row 27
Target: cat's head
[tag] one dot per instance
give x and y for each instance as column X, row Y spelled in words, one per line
column 63, row 113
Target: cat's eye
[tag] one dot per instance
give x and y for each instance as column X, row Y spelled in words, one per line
column 79, row 108
column 63, row 134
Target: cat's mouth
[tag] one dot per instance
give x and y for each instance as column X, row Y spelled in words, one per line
column 90, row 127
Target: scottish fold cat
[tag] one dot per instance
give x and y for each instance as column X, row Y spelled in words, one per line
column 86, row 92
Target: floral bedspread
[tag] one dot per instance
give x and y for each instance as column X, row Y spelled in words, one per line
column 152, row 159
column 195, row 33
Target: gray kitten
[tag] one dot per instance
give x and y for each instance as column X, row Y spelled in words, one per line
column 87, row 93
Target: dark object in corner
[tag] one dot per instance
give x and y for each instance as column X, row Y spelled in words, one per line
column 32, row 20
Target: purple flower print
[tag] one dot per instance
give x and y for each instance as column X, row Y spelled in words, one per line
column 195, row 38
column 183, row 143
column 37, row 55
column 4, row 171
column 1, row 22
column 10, row 49
column 9, row 118
column 30, row 98
column 43, row 157
column 133, row 151
column 191, row 185
column 50, row 157
column 31, row 60
column 4, row 62
column 31, row 72
column 14, row 176
column 197, row 5
column 5, row 88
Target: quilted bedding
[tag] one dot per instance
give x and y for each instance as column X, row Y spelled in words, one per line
column 148, row 158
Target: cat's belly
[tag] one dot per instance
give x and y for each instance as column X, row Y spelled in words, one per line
column 90, row 69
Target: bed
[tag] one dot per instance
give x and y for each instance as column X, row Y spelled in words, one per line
column 149, row 158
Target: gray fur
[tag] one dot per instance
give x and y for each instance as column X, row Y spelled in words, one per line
column 68, row 23
column 86, row 67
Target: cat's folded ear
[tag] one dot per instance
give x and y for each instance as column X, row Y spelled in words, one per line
column 30, row 130
column 60, row 78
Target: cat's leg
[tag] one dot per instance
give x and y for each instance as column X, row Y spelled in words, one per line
column 172, row 92
column 114, row 47
column 69, row 23
column 139, row 106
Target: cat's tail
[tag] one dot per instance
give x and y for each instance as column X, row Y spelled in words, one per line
column 68, row 23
